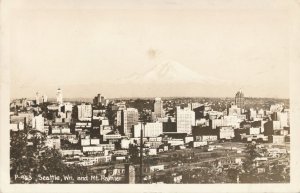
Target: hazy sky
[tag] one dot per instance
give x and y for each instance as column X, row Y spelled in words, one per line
column 67, row 43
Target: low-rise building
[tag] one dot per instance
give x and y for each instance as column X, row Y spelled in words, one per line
column 108, row 137
column 125, row 143
column 175, row 142
column 14, row 127
column 225, row 132
column 198, row 143
column 92, row 160
column 72, row 152
column 93, row 148
column 156, row 168
column 153, row 144
column 62, row 130
column 95, row 141
column 253, row 131
column 188, row 139
column 52, row 142
column 85, row 142
column 206, row 138
column 152, row 151
column 177, row 179
column 277, row 139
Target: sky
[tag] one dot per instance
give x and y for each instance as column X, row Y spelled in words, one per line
column 84, row 47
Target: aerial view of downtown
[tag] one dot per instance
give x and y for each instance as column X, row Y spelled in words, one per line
column 170, row 140
column 162, row 92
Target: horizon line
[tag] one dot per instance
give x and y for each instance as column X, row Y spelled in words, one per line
column 148, row 97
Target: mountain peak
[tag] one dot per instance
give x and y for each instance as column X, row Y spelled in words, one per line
column 169, row 72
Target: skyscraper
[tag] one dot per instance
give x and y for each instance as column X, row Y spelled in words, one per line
column 119, row 118
column 84, row 111
column 234, row 110
column 37, row 98
column 158, row 108
column 38, row 123
column 185, row 119
column 44, row 98
column 129, row 118
column 283, row 118
column 59, row 96
column 239, row 99
column 97, row 99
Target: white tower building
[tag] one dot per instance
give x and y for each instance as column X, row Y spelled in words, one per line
column 44, row 98
column 158, row 108
column 185, row 119
column 59, row 96
column 38, row 123
column 84, row 111
column 37, row 98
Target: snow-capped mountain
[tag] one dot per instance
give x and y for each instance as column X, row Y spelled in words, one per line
column 169, row 72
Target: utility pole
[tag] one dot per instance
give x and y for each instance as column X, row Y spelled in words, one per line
column 143, row 120
column 141, row 154
column 91, row 130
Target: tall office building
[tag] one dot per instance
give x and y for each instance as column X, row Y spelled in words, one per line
column 239, row 99
column 149, row 129
column 253, row 114
column 195, row 105
column 84, row 111
column 234, row 110
column 97, row 99
column 158, row 108
column 185, row 119
column 59, row 96
column 129, row 118
column 44, row 98
column 283, row 119
column 119, row 118
column 100, row 100
column 38, row 123
column 37, row 98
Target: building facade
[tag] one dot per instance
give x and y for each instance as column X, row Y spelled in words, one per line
column 149, row 129
column 84, row 111
column 185, row 119
column 37, row 98
column 240, row 100
column 38, row 123
column 158, row 108
column 129, row 118
column 59, row 96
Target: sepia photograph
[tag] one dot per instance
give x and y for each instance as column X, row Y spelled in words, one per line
column 152, row 93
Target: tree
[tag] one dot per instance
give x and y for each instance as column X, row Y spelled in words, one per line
column 251, row 155
column 30, row 157
column 18, row 155
column 134, row 153
column 232, row 174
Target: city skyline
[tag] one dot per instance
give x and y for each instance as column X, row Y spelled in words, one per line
column 96, row 49
column 52, row 97
column 154, row 93
column 104, row 141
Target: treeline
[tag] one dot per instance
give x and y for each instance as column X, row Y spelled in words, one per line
column 31, row 159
